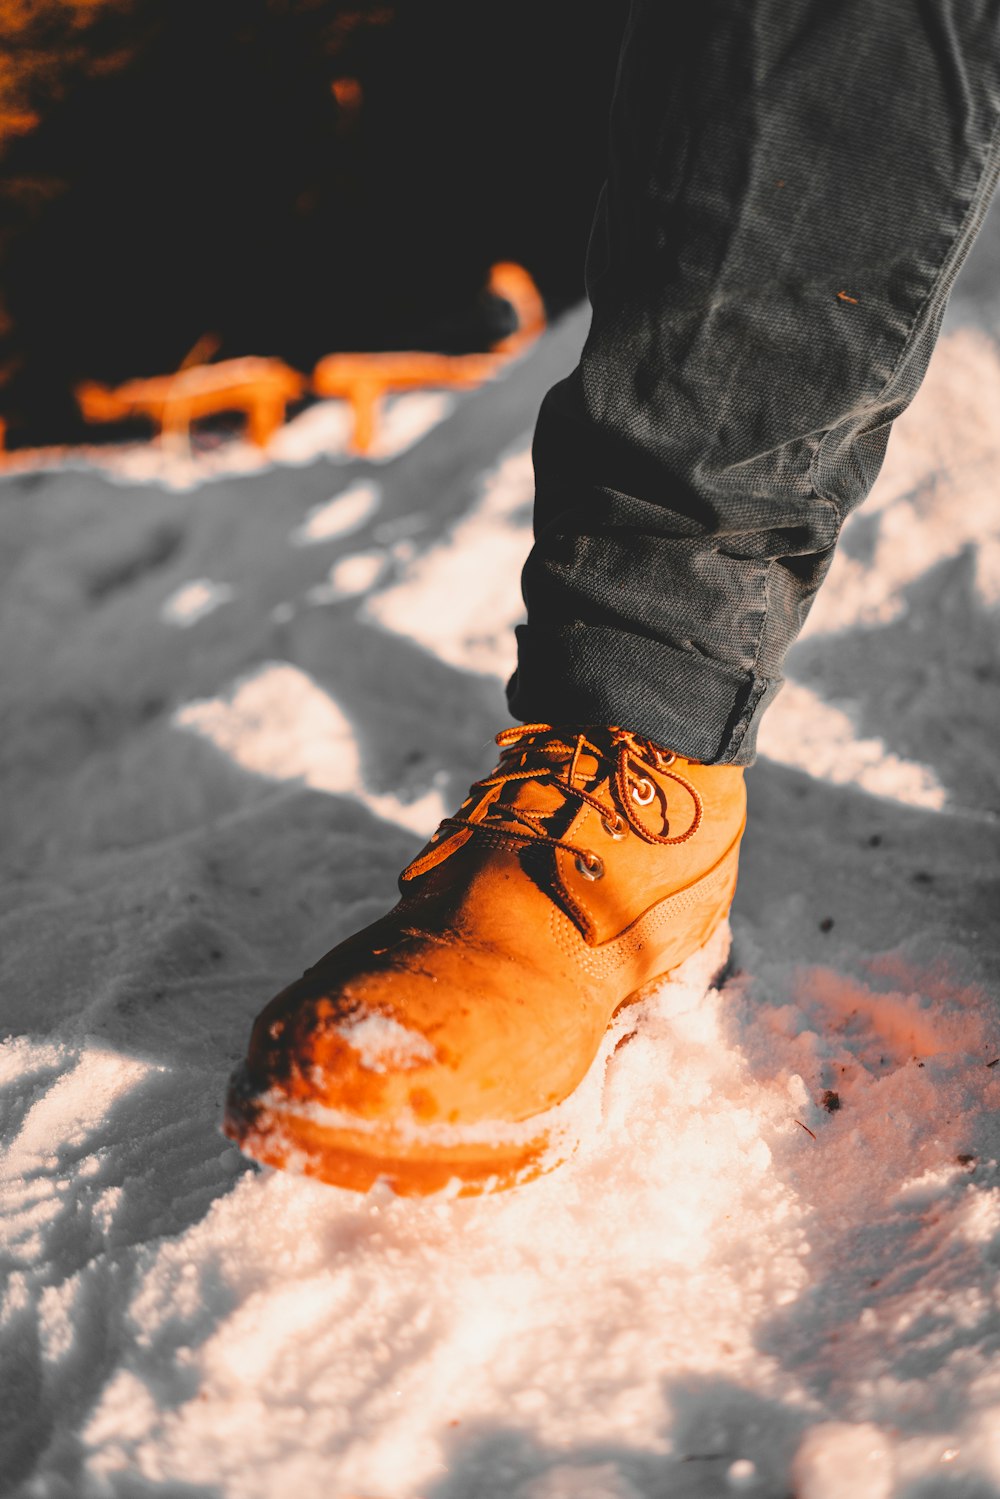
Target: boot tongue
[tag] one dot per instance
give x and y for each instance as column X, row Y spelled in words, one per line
column 542, row 796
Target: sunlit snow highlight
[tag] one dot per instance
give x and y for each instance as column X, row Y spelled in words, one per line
column 193, row 601
column 837, row 1460
column 461, row 598
column 325, row 428
column 348, row 577
column 800, row 729
column 281, row 724
column 54, row 1134
column 937, row 484
column 405, row 419
column 347, row 511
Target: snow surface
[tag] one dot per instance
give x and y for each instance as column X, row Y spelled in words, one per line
column 774, row 1266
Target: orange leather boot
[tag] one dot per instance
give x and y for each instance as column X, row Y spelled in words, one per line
column 442, row 1047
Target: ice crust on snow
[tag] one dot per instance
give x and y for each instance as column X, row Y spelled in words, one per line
column 735, row 1285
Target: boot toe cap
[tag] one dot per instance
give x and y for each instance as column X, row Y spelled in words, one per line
column 414, row 1040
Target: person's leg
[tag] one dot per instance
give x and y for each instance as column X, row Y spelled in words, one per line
column 793, row 184
column 792, row 188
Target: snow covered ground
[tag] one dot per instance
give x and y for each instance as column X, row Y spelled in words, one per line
column 234, row 694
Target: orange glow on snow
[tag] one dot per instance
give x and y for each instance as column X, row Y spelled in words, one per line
column 908, row 1013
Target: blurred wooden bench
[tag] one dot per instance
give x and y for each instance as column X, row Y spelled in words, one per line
column 263, row 388
column 260, row 388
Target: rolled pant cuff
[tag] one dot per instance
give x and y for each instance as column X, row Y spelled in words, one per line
column 585, row 674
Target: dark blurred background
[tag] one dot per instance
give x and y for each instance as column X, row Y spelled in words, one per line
column 293, row 177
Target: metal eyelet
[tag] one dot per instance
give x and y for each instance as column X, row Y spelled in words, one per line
column 643, row 791
column 591, row 867
column 616, row 828
column 663, row 758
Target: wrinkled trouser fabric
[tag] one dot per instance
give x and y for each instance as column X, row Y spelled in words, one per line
column 792, row 187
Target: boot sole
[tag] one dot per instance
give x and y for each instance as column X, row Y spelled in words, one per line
column 451, row 1161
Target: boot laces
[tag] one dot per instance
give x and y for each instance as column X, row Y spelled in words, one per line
column 540, row 752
